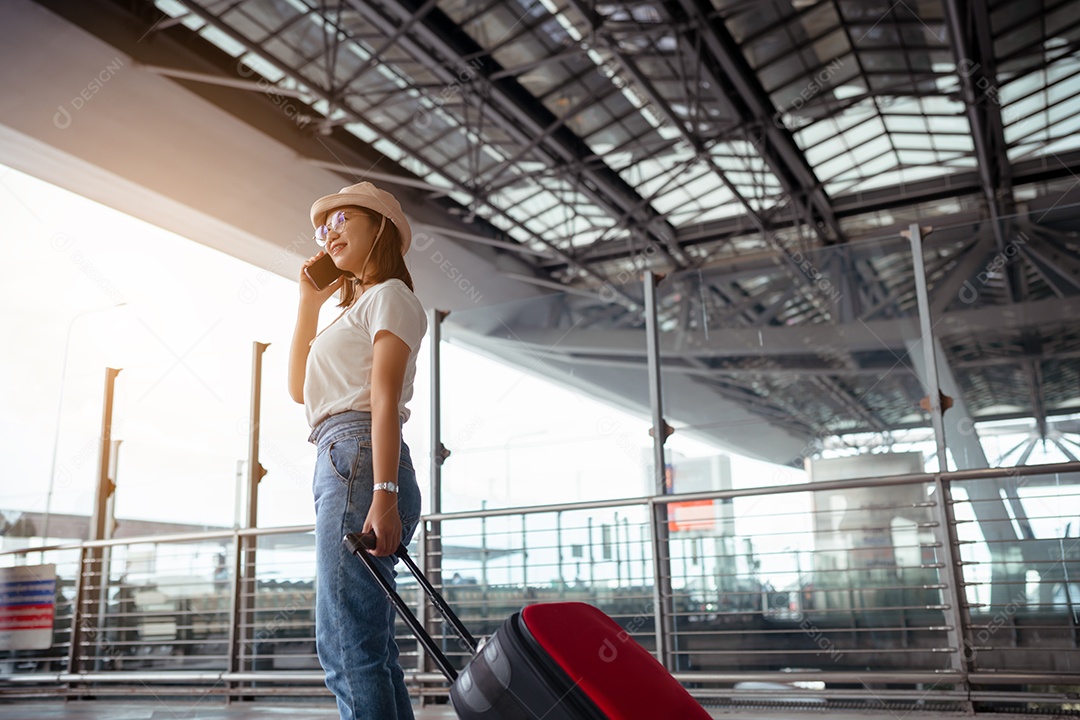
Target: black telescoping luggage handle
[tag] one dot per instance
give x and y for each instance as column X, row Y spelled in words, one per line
column 358, row 545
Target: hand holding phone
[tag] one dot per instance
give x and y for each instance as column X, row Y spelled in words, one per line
column 323, row 272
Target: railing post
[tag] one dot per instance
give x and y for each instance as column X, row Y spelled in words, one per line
column 431, row 557
column 236, row 637
column 663, row 606
column 75, row 646
column 88, row 604
column 255, row 469
column 242, row 603
column 957, row 612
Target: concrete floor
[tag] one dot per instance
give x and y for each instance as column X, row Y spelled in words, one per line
column 182, row 710
column 213, row 710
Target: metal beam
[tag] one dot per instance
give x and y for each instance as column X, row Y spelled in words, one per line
column 952, row 186
column 1033, row 371
column 329, row 97
column 658, row 101
column 960, row 434
column 517, row 112
column 876, row 336
column 973, row 50
column 957, row 283
column 1063, row 448
column 737, row 85
column 596, row 24
column 1058, row 268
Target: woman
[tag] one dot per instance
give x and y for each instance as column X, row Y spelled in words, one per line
column 354, row 379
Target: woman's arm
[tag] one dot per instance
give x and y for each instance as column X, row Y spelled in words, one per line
column 391, row 356
column 307, row 322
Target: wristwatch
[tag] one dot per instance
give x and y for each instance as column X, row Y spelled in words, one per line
column 387, row 486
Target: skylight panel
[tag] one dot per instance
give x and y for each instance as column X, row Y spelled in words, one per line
column 952, row 142
column 906, row 124
column 917, row 157
column 872, row 149
column 948, row 124
column 826, row 151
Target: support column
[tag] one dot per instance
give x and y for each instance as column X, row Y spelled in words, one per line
column 431, row 557
column 926, row 335
column 663, row 608
column 242, row 603
column 93, row 577
column 255, row 469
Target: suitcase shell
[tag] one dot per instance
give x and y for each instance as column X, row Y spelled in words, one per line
column 555, row 661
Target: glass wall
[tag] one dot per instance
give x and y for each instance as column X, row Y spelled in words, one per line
column 1019, row 541
column 535, row 413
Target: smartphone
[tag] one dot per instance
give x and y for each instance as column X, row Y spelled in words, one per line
column 323, row 271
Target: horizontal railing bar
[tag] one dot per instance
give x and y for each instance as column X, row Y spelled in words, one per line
column 168, row 539
column 824, row 486
column 821, row 630
column 1018, row 605
column 1021, row 541
column 1040, row 584
column 974, row 501
column 869, row 678
column 936, row 607
column 891, row 677
column 570, row 528
column 827, row 485
column 988, row 521
column 747, row 575
column 799, row 696
column 171, row 676
column 820, row 651
column 1008, row 650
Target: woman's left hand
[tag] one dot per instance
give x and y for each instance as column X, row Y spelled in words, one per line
column 383, row 518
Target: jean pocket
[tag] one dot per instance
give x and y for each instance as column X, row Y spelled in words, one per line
column 342, row 456
column 409, row 525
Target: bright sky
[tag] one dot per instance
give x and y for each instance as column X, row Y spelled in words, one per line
column 180, row 319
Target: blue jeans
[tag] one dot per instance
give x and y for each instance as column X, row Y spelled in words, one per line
column 354, row 620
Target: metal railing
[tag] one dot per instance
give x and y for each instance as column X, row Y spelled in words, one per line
column 960, row 588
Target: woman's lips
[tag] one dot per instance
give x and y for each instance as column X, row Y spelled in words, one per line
column 336, row 250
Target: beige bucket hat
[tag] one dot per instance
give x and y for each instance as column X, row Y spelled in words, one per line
column 365, row 195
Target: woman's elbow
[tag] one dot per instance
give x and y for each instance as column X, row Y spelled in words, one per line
column 383, row 400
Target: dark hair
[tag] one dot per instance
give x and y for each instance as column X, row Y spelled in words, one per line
column 386, row 258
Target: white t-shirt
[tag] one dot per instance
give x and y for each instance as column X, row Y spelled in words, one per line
column 338, row 376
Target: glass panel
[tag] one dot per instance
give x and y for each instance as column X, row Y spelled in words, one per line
column 495, row 565
column 805, row 580
column 278, row 633
column 568, row 446
column 168, row 607
column 785, row 70
column 1018, row 543
column 63, row 565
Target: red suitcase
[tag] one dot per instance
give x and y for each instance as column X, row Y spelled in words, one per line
column 556, row 661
